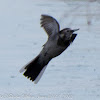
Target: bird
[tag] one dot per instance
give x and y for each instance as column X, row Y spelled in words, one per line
column 57, row 42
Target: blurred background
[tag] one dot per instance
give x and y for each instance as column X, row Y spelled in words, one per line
column 74, row 75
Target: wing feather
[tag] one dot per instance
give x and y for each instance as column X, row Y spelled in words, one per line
column 50, row 24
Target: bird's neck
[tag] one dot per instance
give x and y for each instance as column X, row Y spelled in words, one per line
column 62, row 42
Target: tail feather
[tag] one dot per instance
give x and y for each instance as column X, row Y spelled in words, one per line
column 34, row 70
column 26, row 66
column 40, row 75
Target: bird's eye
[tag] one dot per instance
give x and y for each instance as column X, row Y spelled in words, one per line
column 68, row 31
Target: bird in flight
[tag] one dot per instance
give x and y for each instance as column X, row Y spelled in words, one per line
column 58, row 41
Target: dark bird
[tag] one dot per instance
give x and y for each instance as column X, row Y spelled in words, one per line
column 57, row 42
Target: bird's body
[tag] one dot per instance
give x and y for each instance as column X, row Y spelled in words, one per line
column 57, row 42
column 51, row 48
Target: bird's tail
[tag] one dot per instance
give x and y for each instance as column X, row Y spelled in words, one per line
column 34, row 69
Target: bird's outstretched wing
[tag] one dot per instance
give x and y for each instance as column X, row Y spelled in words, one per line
column 49, row 24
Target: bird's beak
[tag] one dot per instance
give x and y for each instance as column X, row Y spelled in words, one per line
column 75, row 30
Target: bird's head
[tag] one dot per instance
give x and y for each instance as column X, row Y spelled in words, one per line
column 66, row 33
